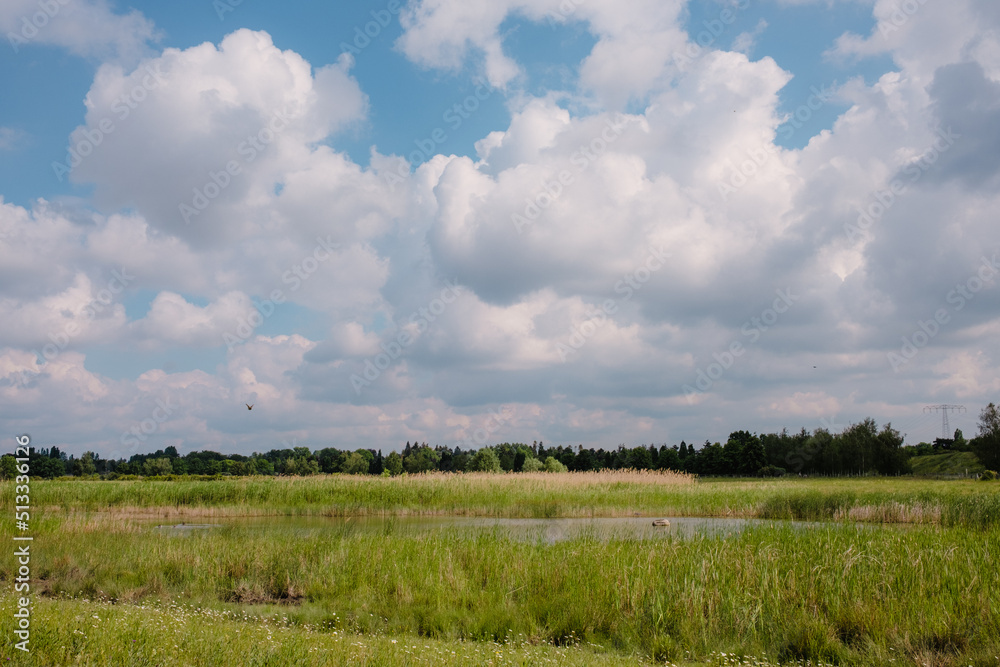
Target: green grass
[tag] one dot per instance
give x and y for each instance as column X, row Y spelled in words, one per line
column 89, row 633
column 950, row 464
column 915, row 593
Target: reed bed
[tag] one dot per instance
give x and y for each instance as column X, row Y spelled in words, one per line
column 532, row 495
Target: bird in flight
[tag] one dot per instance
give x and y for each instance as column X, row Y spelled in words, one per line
column 249, row 407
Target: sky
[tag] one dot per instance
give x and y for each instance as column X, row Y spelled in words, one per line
column 468, row 222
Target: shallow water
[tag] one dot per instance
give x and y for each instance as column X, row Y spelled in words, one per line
column 549, row 531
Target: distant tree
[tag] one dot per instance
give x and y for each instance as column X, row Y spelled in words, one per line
column 532, row 465
column 586, row 459
column 888, row 453
column 857, row 448
column 460, row 461
column 421, row 459
column 566, row 456
column 960, row 441
column 447, row 460
column 8, row 467
column 85, row 465
column 987, row 445
column 330, row 459
column 640, row 459
column 261, row 466
column 394, row 463
column 554, row 465
column 668, row 459
column 159, row 466
column 485, row 460
column 48, row 468
column 750, row 455
column 355, row 464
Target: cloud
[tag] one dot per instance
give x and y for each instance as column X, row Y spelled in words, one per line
column 87, row 28
column 600, row 265
column 10, row 138
column 220, row 128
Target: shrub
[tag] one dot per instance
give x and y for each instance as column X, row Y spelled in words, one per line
column 531, row 464
column 485, row 460
column 554, row 465
column 988, row 476
column 771, row 471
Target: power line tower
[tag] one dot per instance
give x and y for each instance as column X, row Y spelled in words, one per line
column 944, row 416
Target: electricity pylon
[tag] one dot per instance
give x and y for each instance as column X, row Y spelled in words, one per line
column 944, row 416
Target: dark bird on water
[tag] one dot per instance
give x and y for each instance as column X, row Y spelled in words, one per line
column 249, row 407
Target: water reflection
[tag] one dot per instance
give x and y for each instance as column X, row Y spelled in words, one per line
column 549, row 531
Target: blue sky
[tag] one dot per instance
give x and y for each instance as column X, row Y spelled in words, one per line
column 421, row 172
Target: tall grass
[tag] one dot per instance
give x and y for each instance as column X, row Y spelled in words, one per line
column 96, row 634
column 836, row 593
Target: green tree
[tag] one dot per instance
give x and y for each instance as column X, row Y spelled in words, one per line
column 394, row 463
column 421, row 459
column 553, row 465
column 85, row 466
column 960, row 442
column 531, row 464
column 8, row 467
column 639, row 458
column 668, row 459
column 161, row 466
column 987, row 445
column 485, row 460
column 355, row 464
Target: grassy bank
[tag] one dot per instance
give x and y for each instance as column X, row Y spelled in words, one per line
column 950, row 464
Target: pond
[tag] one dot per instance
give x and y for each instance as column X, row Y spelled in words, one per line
column 549, row 531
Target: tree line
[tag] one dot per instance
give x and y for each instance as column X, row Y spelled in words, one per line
column 861, row 449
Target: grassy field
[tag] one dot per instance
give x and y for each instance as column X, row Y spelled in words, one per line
column 950, row 464
column 917, row 591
